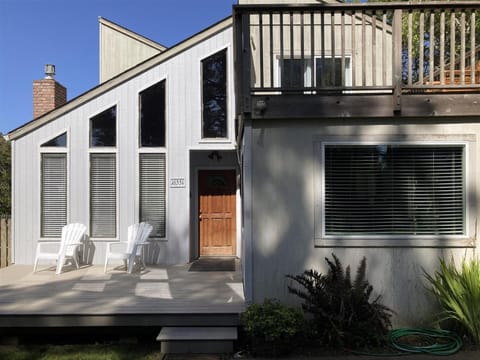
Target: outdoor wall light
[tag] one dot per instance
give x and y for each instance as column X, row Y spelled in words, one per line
column 215, row 155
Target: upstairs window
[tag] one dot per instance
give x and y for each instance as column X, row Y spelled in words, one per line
column 297, row 73
column 58, row 141
column 152, row 116
column 214, row 95
column 394, row 190
column 103, row 128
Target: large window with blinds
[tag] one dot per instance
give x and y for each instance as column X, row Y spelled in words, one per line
column 394, row 190
column 103, row 195
column 53, row 194
column 152, row 192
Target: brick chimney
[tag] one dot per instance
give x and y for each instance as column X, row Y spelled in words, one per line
column 48, row 94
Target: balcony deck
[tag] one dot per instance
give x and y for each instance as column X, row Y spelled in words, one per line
column 376, row 60
column 157, row 296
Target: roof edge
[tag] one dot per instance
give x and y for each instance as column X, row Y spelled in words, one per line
column 119, row 79
column 132, row 34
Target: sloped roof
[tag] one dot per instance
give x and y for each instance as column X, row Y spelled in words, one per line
column 119, row 79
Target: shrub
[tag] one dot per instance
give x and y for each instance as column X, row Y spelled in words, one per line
column 458, row 292
column 271, row 326
column 342, row 313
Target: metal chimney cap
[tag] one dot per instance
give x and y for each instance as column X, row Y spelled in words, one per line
column 49, row 71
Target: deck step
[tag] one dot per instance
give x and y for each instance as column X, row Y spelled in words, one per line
column 197, row 339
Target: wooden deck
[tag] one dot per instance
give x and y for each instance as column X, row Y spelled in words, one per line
column 157, row 296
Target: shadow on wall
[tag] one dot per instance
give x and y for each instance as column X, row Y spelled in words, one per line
column 284, row 216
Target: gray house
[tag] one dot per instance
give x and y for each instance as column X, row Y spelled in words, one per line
column 277, row 136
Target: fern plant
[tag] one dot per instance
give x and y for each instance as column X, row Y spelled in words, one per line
column 341, row 310
column 458, row 292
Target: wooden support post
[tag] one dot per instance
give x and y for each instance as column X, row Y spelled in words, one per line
column 397, row 61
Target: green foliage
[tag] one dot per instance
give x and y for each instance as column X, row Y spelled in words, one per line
column 271, row 326
column 5, row 193
column 342, row 313
column 458, row 292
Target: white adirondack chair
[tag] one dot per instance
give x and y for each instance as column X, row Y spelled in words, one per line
column 72, row 235
column 131, row 250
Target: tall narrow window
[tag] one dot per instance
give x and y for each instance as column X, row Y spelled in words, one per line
column 214, row 95
column 53, row 194
column 152, row 192
column 103, row 128
column 103, row 195
column 152, row 116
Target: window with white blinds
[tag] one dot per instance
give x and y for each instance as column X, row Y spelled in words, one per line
column 53, row 194
column 103, row 195
column 152, row 192
column 394, row 190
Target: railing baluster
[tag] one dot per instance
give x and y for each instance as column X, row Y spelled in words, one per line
column 322, row 44
column 342, row 34
column 409, row 46
column 442, row 48
column 462, row 48
column 312, row 46
column 272, row 83
column 260, row 28
column 302, row 45
column 452, row 47
column 473, row 64
column 374, row 48
column 364, row 51
column 353, row 47
column 292, row 55
column 384, row 48
column 431, row 66
column 281, row 65
column 332, row 45
column 421, row 47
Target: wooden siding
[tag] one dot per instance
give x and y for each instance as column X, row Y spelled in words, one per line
column 183, row 129
column 287, row 219
column 121, row 49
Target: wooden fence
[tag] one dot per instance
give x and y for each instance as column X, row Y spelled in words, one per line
column 5, row 241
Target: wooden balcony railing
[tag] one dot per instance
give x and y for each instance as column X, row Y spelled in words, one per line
column 389, row 48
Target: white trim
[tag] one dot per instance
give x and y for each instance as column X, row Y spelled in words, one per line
column 277, row 81
column 13, row 207
column 321, row 239
column 53, row 150
column 139, row 130
column 229, row 120
column 89, row 126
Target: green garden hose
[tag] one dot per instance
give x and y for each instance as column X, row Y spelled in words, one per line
column 438, row 342
column 433, row 342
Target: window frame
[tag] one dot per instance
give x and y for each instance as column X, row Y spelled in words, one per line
column 53, row 150
column 226, row 138
column 141, row 152
column 101, row 148
column 139, row 111
column 312, row 72
column 323, row 240
column 106, row 151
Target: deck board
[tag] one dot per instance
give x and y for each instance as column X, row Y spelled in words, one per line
column 90, row 292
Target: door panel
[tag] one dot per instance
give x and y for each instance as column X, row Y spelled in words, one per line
column 217, row 212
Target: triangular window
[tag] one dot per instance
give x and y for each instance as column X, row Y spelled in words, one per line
column 59, row 141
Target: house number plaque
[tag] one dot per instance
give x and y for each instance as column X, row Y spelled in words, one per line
column 177, row 182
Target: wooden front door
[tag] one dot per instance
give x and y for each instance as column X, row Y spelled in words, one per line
column 217, row 215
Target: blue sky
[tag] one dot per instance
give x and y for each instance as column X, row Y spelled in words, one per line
column 65, row 33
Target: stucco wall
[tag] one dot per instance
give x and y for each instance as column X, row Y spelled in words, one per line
column 284, row 165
